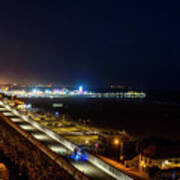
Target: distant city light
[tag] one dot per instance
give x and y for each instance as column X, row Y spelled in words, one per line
column 47, row 91
column 58, row 93
column 80, row 89
column 35, row 91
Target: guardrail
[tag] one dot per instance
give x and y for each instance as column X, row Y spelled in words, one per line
column 108, row 168
column 112, row 171
column 50, row 133
column 60, row 161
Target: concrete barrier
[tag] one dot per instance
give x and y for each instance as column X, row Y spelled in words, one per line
column 117, row 174
column 112, row 171
column 56, row 158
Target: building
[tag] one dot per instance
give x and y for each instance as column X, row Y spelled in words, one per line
column 158, row 157
column 164, row 157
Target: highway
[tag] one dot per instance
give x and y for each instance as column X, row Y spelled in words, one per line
column 87, row 168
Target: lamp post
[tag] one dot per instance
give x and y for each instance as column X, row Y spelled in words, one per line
column 116, row 142
column 120, row 146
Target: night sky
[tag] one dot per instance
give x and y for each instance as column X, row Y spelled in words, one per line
column 102, row 42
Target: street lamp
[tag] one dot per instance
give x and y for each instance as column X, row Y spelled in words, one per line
column 116, row 141
column 119, row 146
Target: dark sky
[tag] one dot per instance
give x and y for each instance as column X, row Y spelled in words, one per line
column 131, row 42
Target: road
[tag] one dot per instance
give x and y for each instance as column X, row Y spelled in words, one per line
column 87, row 168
